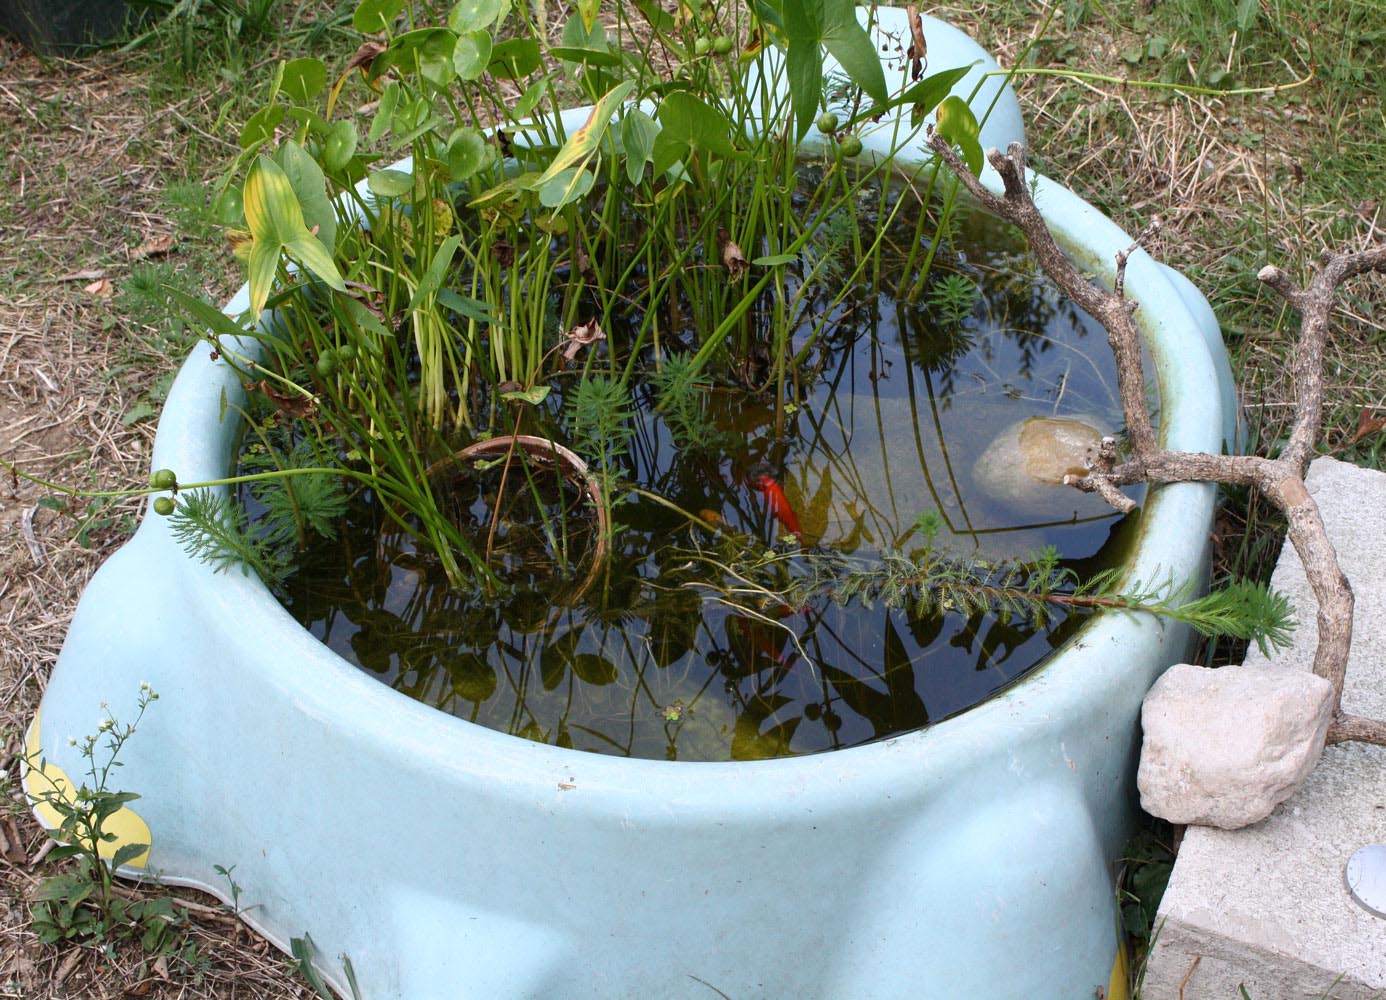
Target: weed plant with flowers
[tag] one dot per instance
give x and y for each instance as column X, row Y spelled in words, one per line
column 80, row 904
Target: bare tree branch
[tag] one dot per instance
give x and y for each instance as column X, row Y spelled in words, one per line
column 1281, row 479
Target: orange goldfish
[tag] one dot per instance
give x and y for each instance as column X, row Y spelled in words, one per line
column 779, row 505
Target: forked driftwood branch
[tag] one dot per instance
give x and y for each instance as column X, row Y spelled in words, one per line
column 1280, row 479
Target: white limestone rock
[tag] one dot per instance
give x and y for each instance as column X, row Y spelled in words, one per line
column 1224, row 747
column 1031, row 457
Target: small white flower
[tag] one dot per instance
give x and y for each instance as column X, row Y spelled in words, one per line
column 104, row 725
column 72, row 741
column 144, row 686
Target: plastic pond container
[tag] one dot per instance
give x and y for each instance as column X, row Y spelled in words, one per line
column 972, row 858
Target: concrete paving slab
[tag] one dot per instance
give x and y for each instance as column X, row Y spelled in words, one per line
column 1266, row 908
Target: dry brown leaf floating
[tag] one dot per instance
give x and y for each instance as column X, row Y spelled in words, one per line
column 583, row 335
column 732, row 258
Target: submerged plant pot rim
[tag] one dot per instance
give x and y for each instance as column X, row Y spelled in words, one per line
column 547, row 450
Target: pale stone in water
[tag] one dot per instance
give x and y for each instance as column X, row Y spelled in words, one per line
column 1034, row 454
column 1224, row 747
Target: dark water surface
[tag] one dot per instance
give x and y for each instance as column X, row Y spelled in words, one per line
column 673, row 650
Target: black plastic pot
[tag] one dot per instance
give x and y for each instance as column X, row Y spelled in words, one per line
column 60, row 27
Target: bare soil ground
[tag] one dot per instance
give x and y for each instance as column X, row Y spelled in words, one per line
column 78, row 376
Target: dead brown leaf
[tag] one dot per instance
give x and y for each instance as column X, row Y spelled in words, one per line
column 732, row 258
column 289, row 404
column 1367, row 425
column 154, row 246
column 365, row 55
column 583, row 335
column 919, row 48
column 101, row 288
column 9, row 842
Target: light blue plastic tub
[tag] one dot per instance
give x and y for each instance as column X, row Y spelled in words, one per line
column 447, row 861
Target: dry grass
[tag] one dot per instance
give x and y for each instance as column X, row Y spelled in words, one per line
column 82, row 191
column 90, row 150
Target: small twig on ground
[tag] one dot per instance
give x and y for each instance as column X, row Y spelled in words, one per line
column 1280, row 479
column 26, row 528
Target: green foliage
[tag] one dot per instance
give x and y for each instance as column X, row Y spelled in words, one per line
column 398, row 339
column 600, row 418
column 200, row 31
column 1148, row 862
column 214, row 529
column 294, row 505
column 681, row 393
column 66, row 908
column 926, row 582
column 305, row 952
column 80, row 904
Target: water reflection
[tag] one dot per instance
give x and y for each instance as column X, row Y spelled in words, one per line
column 676, row 651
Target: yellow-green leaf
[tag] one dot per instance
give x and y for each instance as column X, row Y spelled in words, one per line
column 958, row 126
column 306, row 249
column 584, row 142
column 275, row 221
column 589, row 9
column 264, row 261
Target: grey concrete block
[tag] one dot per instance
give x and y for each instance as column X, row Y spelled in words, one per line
column 1266, row 907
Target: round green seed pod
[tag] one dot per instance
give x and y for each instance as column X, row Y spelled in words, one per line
column 702, row 46
column 346, row 353
column 721, row 45
column 164, row 479
column 827, row 123
column 850, row 146
column 327, row 363
column 163, row 506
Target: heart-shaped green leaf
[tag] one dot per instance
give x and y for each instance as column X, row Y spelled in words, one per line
column 685, row 118
column 471, row 54
column 594, row 669
column 374, row 16
column 476, row 15
column 638, row 133
column 566, row 186
column 958, row 126
column 259, row 128
column 303, row 79
column 515, row 58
